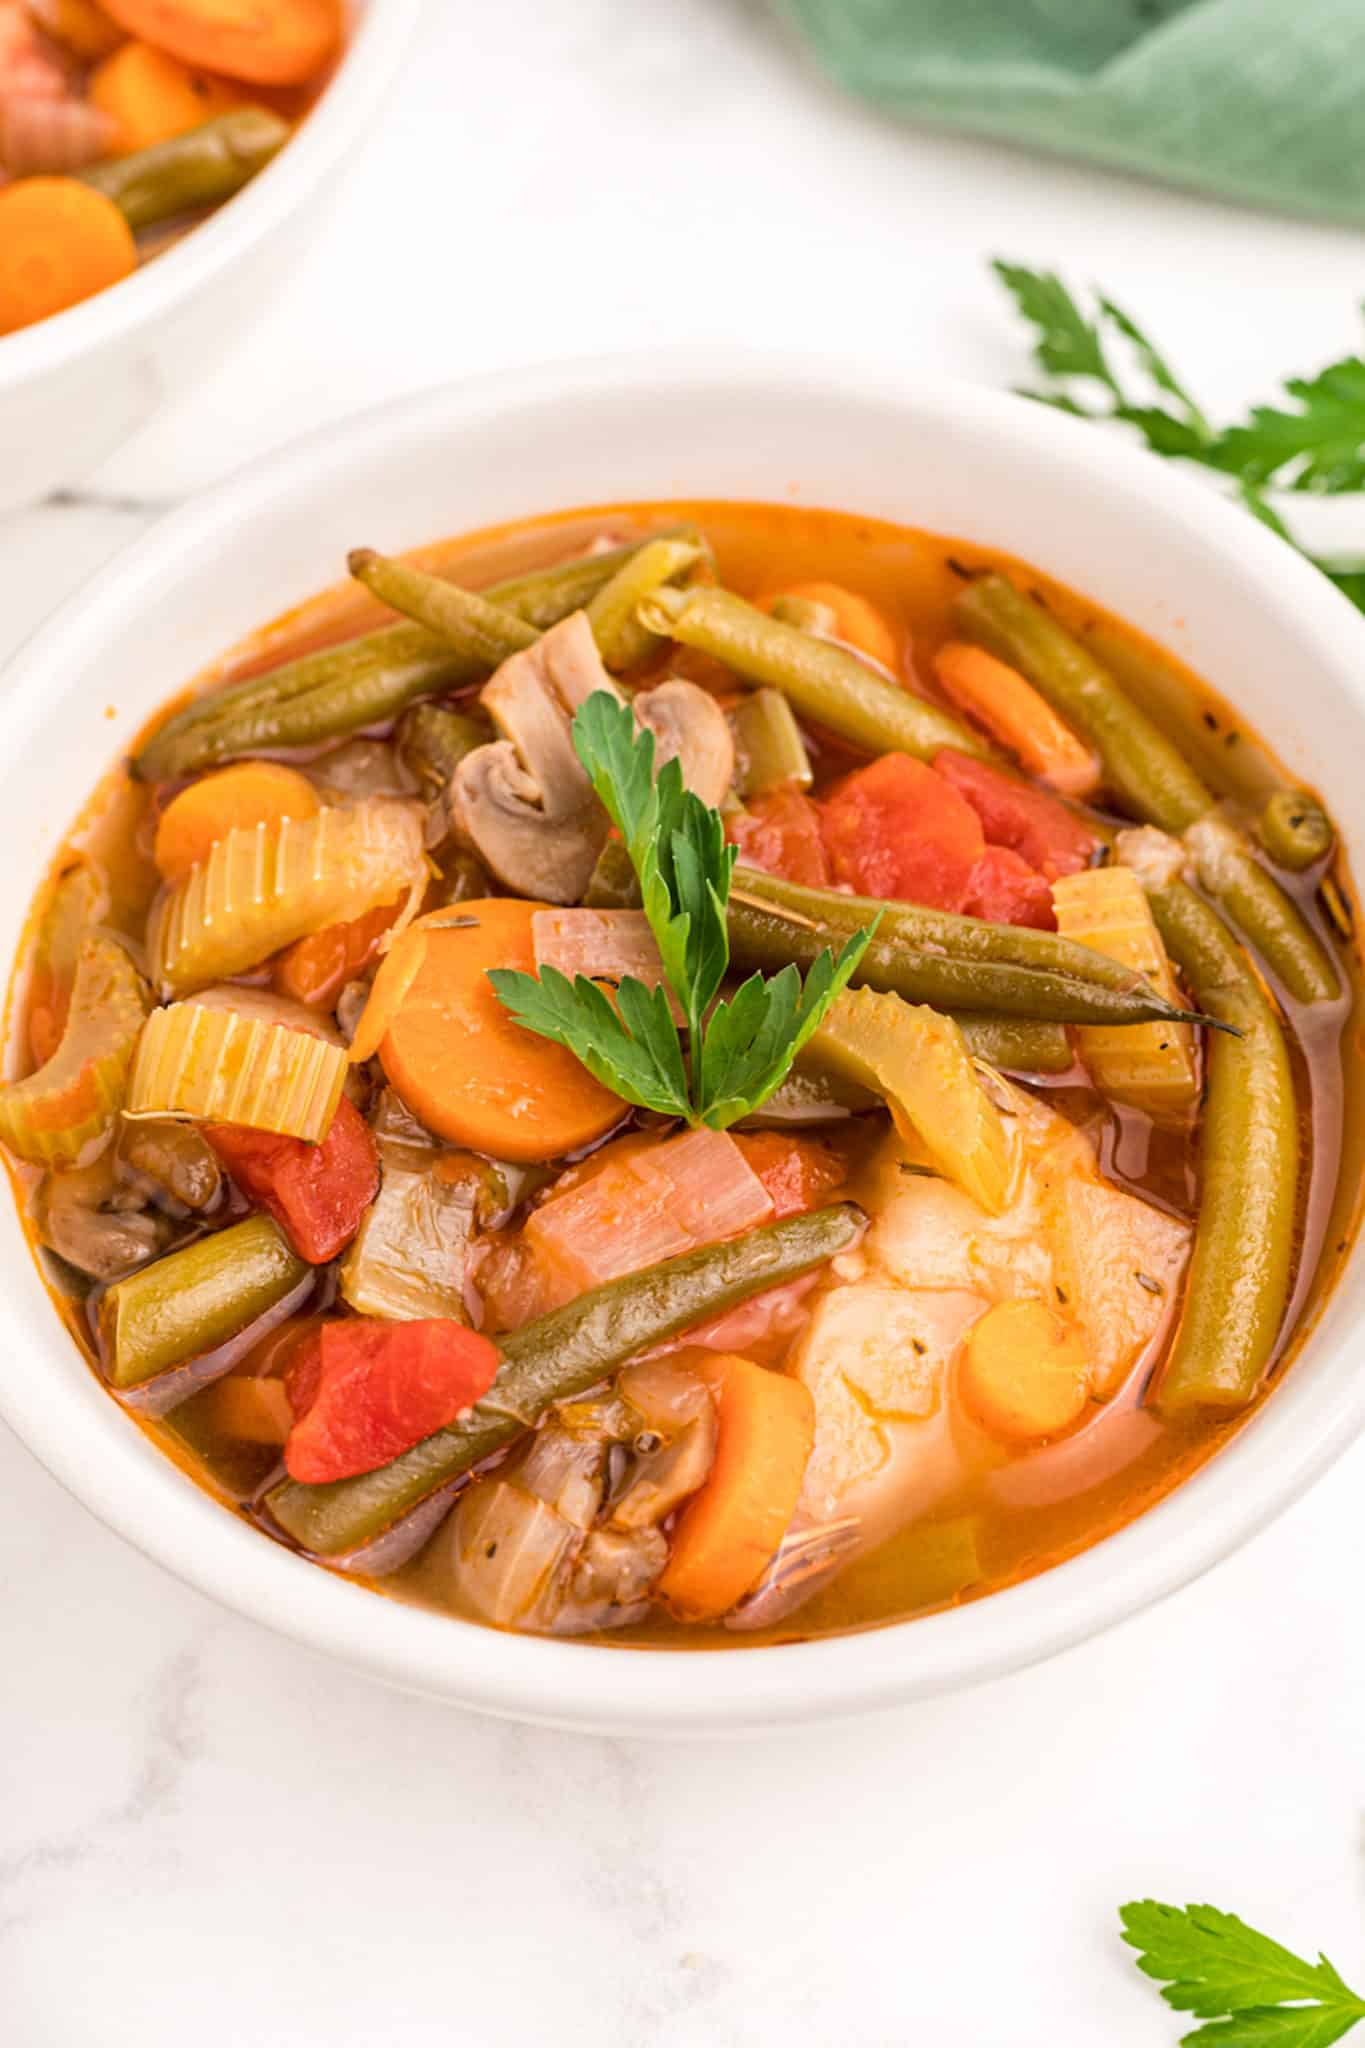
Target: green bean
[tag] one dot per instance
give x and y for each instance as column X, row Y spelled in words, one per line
column 823, row 682
column 621, row 640
column 471, row 625
column 193, row 1300
column 613, row 884
column 545, row 596
column 1150, row 777
column 1295, row 830
column 202, row 167
column 930, row 956
column 1291, row 824
column 433, row 740
column 557, row 1356
column 1016, row 1043
column 769, row 749
column 1243, row 1256
column 366, row 681
column 319, row 697
column 1261, row 911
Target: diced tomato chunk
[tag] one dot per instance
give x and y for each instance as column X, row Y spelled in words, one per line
column 1006, row 890
column 897, row 829
column 316, row 1193
column 798, row 1173
column 316, row 969
column 780, row 833
column 1032, row 823
column 365, row 1391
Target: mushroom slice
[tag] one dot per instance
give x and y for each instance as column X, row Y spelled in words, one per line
column 689, row 726
column 524, row 802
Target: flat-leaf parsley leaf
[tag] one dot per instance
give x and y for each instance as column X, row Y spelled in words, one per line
column 739, row 1048
column 1249, row 1990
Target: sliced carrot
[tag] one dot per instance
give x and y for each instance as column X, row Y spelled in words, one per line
column 255, row 1411
column 1012, row 712
column 249, row 793
column 1025, row 1373
column 60, row 242
column 459, row 1059
column 857, row 622
column 151, row 96
column 283, row 43
column 729, row 1531
column 316, row 969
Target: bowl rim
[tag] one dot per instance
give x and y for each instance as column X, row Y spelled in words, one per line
column 374, row 48
column 1252, row 1479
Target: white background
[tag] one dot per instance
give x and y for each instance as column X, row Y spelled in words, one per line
column 208, row 1838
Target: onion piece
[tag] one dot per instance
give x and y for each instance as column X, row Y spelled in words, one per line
column 265, row 1007
column 649, row 1203
column 807, row 1560
column 506, row 1548
column 602, row 945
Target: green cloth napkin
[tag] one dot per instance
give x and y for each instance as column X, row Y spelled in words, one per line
column 1258, row 100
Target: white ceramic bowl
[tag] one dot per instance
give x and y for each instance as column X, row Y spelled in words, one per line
column 74, row 386
column 1201, row 576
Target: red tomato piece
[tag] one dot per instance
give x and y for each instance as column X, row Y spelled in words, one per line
column 798, row 1173
column 365, row 1391
column 780, row 833
column 1006, row 890
column 1034, row 824
column 316, row 1193
column 897, row 829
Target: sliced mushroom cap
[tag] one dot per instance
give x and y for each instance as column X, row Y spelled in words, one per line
column 689, row 726
column 523, row 802
column 98, row 1225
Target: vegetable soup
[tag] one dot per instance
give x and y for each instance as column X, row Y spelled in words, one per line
column 691, row 1074
column 123, row 123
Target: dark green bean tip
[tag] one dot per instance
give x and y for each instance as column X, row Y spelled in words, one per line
column 1295, row 830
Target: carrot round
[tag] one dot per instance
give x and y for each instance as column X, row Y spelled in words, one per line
column 1025, row 1373
column 250, row 793
column 730, row 1530
column 60, row 242
column 1013, row 712
column 857, row 622
column 459, row 1059
column 151, row 96
column 266, row 42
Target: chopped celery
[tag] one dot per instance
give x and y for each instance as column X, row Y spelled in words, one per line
column 266, row 885
column 918, row 1062
column 73, row 1100
column 1149, row 1066
column 219, row 1066
column 78, row 902
column 769, row 749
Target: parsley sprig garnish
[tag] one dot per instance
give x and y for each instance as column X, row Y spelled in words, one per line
column 1101, row 365
column 1249, row 1991
column 738, row 1048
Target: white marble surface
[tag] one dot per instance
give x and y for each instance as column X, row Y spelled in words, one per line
column 207, row 1837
